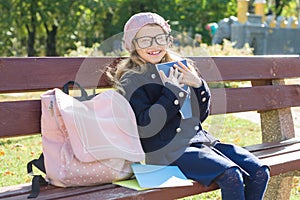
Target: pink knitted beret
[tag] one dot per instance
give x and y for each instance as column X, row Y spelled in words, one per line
column 136, row 22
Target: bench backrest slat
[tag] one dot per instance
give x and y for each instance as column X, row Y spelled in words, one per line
column 23, row 117
column 20, row 118
column 248, row 68
column 31, row 74
column 260, row 98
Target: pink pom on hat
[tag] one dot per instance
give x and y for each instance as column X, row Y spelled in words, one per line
column 136, row 22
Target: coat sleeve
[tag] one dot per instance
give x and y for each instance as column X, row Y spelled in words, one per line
column 203, row 97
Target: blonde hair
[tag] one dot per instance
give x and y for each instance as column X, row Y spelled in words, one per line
column 135, row 64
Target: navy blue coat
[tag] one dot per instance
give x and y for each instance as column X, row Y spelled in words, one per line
column 168, row 139
column 164, row 134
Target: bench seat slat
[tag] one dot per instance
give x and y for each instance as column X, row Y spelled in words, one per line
column 278, row 150
column 270, row 145
column 108, row 191
column 14, row 190
column 49, row 191
column 284, row 163
column 166, row 194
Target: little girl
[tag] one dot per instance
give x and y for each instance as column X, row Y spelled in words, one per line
column 169, row 138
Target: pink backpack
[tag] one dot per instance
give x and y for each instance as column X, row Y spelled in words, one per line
column 86, row 142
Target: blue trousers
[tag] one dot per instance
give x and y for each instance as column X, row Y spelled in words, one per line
column 233, row 168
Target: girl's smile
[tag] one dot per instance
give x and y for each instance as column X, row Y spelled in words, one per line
column 154, row 52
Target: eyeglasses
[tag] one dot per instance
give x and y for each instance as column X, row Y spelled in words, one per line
column 147, row 41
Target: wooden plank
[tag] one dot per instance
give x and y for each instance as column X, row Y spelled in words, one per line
column 14, row 190
column 278, row 150
column 29, row 74
column 166, row 193
column 227, row 68
column 50, row 191
column 231, row 100
column 271, row 145
column 23, row 117
column 283, row 163
column 108, row 191
column 45, row 73
column 20, row 118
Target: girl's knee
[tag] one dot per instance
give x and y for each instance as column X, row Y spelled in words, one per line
column 231, row 184
column 263, row 173
column 261, row 177
column 231, row 177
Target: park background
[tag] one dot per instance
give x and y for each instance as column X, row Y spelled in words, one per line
column 56, row 27
column 79, row 28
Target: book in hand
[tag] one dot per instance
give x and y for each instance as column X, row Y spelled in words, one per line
column 157, row 176
column 186, row 109
column 165, row 67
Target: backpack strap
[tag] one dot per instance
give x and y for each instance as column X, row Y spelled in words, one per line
column 39, row 163
column 66, row 86
column 84, row 95
column 37, row 180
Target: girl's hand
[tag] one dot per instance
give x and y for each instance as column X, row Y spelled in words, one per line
column 175, row 77
column 190, row 76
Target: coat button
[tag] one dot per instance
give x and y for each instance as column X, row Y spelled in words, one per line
column 178, row 130
column 196, row 128
column 203, row 99
column 181, row 94
column 153, row 76
column 176, row 102
column 203, row 92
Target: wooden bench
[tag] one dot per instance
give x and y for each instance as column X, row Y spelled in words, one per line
column 268, row 95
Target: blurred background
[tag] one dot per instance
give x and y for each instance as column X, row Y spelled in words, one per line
column 78, row 27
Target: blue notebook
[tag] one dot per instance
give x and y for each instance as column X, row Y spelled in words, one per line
column 165, row 67
column 157, row 176
column 186, row 109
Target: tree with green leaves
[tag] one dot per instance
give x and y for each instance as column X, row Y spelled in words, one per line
column 52, row 27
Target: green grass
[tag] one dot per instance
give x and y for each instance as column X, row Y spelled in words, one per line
column 15, row 153
column 230, row 129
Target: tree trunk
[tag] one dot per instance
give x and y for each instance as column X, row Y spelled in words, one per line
column 31, row 29
column 30, row 41
column 279, row 4
column 51, row 41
